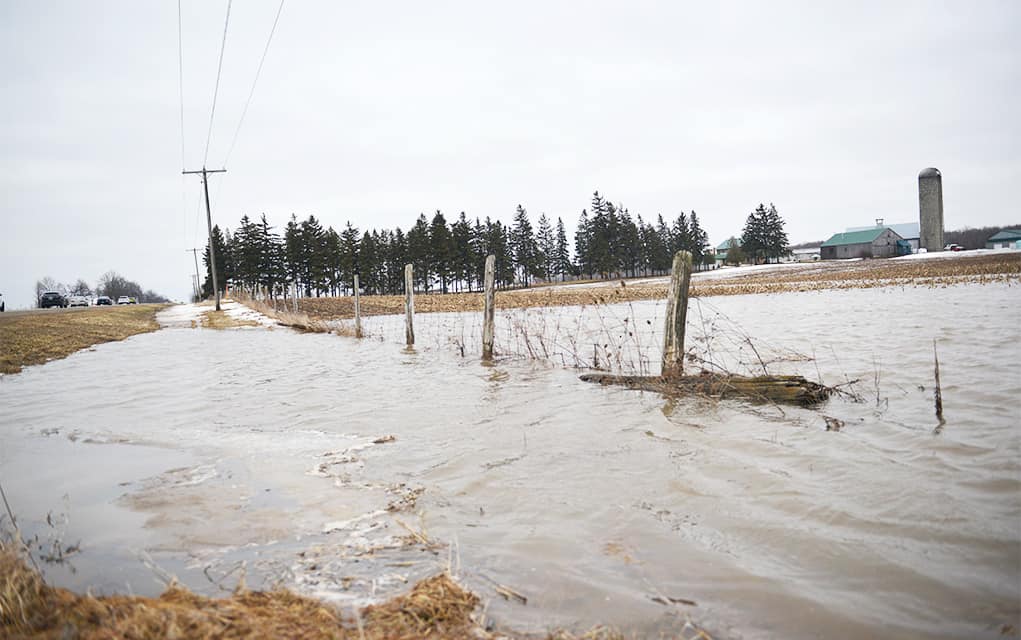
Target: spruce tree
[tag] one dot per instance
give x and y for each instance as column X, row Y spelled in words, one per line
column 441, row 250
column 562, row 262
column 547, row 245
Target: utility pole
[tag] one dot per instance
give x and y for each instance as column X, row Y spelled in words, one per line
column 209, row 224
column 198, row 286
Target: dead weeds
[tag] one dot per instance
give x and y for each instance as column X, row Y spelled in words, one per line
column 35, row 337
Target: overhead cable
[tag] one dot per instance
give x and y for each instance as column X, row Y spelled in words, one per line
column 216, row 90
column 258, row 71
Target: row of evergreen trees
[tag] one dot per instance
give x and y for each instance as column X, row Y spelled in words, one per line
column 451, row 256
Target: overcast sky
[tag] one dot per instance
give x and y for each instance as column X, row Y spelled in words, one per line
column 376, row 112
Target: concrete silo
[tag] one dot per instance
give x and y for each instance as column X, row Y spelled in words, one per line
column 930, row 208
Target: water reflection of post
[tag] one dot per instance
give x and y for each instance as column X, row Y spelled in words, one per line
column 358, row 311
column 676, row 315
column 489, row 315
column 409, row 305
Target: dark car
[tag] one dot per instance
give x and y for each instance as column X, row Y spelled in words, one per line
column 52, row 299
column 101, row 300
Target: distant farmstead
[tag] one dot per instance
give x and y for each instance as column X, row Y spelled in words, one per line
column 1006, row 239
column 877, row 242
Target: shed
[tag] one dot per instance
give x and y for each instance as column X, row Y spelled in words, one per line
column 877, row 242
column 1006, row 239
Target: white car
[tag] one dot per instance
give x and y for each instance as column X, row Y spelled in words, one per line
column 123, row 300
column 77, row 301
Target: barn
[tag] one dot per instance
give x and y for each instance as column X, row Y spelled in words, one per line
column 876, row 242
column 1006, row 239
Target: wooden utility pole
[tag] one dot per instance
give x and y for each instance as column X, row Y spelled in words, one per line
column 489, row 315
column 676, row 316
column 409, row 305
column 358, row 310
column 209, row 225
column 198, row 283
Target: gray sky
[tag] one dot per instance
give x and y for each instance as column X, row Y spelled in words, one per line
column 376, row 112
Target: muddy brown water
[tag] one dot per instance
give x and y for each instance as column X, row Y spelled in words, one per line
column 201, row 450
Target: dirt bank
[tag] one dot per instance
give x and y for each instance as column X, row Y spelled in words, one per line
column 49, row 334
column 863, row 274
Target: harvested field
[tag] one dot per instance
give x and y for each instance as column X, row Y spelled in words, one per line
column 864, row 274
column 40, row 336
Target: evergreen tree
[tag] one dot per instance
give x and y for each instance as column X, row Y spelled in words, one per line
column 583, row 243
column 464, row 258
column 755, row 236
column 699, row 241
column 349, row 255
column 562, row 262
column 441, row 250
column 777, row 244
column 418, row 252
column 523, row 247
column 316, row 258
column 547, row 244
column 220, row 251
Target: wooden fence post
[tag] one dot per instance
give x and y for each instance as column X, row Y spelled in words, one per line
column 489, row 313
column 409, row 305
column 676, row 315
column 358, row 311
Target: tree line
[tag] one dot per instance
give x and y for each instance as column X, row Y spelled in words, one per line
column 110, row 284
column 450, row 256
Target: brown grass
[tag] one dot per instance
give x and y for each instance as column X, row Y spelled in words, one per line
column 221, row 320
column 934, row 272
column 436, row 607
column 35, row 337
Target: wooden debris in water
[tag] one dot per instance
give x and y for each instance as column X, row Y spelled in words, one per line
column 779, row 389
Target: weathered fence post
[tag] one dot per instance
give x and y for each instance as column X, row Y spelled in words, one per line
column 489, row 313
column 295, row 297
column 676, row 315
column 358, row 311
column 409, row 305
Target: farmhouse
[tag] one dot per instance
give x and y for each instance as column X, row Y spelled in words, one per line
column 876, row 242
column 724, row 247
column 1006, row 239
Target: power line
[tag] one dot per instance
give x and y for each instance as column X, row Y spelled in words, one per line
column 254, row 82
column 181, row 84
column 216, row 90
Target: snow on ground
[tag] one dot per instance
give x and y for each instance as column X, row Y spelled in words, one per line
column 188, row 315
column 954, row 254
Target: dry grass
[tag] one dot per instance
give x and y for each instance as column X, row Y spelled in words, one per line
column 436, row 607
column 36, row 337
column 934, row 272
column 222, row 320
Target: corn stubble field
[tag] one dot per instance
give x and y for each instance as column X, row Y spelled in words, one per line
column 985, row 268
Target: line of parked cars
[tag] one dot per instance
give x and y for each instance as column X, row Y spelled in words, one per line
column 57, row 299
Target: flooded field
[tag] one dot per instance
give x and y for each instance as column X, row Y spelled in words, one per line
column 309, row 460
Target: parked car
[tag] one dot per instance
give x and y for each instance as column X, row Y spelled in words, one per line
column 52, row 299
column 2, row 308
column 77, row 301
column 103, row 300
column 123, row 300
column 953, row 247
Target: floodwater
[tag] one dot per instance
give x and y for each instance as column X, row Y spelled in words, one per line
column 207, row 454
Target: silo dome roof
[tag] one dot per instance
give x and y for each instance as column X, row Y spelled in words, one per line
column 931, row 172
